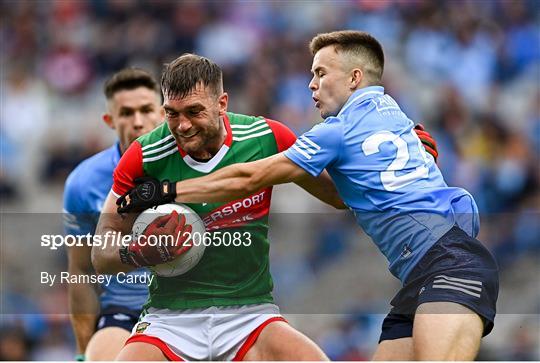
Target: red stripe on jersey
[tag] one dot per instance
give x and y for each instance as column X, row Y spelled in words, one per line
column 228, row 138
column 129, row 168
column 285, row 138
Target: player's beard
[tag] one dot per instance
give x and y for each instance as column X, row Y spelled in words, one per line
column 204, row 140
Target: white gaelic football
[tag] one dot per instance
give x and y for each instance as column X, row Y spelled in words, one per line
column 185, row 261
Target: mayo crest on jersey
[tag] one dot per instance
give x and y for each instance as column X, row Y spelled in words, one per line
column 384, row 175
column 85, row 192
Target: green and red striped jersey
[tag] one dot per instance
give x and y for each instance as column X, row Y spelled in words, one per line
column 233, row 275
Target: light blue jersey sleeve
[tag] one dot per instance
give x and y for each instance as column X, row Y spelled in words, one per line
column 85, row 191
column 318, row 148
column 78, row 218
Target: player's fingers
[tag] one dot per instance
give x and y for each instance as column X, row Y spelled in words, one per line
column 124, row 204
column 419, row 127
column 122, row 209
column 180, row 227
column 428, row 143
column 421, row 133
column 184, row 233
column 185, row 237
column 161, row 220
column 152, row 228
column 182, row 250
column 171, row 223
column 176, row 251
column 121, row 200
column 181, row 221
column 433, row 141
column 432, row 151
column 425, row 134
column 183, row 242
column 427, row 138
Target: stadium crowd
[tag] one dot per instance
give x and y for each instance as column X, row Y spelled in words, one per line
column 468, row 70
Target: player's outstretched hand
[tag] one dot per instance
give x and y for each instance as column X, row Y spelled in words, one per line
column 148, row 192
column 427, row 140
column 166, row 238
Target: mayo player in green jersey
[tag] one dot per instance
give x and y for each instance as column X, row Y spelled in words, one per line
column 223, row 308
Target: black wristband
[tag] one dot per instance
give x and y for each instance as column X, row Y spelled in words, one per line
column 168, row 191
column 126, row 258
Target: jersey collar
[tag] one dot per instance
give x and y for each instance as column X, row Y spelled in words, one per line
column 361, row 95
column 208, row 166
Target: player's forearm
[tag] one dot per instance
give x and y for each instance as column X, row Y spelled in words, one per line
column 106, row 256
column 330, row 198
column 83, row 308
column 327, row 192
column 322, row 188
column 233, row 182
column 112, row 229
column 83, row 328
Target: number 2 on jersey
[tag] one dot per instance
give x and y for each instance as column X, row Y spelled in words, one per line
column 389, row 179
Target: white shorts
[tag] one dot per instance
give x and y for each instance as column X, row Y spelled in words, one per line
column 215, row 333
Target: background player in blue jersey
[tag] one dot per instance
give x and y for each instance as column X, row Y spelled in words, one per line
column 425, row 228
column 133, row 109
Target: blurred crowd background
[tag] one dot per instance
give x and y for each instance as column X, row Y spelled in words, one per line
column 468, row 70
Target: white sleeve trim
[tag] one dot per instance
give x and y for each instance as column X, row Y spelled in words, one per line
column 115, row 194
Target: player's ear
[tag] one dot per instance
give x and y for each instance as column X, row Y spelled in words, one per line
column 223, row 102
column 107, row 118
column 356, row 78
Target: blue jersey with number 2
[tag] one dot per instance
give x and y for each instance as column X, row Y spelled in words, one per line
column 385, row 177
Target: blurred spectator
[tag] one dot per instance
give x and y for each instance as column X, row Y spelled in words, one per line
column 14, row 345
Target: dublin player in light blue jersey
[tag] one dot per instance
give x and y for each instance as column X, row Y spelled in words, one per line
column 102, row 324
column 425, row 228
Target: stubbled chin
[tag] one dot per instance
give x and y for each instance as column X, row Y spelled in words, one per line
column 189, row 144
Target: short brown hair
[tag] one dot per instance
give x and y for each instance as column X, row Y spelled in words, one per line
column 183, row 74
column 358, row 44
column 128, row 79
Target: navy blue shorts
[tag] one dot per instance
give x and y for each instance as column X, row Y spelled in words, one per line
column 457, row 268
column 117, row 316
